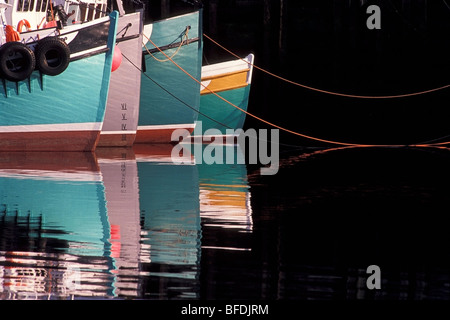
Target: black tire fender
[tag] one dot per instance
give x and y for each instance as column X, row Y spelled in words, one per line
column 52, row 56
column 17, row 61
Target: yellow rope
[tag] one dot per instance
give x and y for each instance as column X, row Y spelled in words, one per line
column 285, row 129
column 175, row 53
column 330, row 92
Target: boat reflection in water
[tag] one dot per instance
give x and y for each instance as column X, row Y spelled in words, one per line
column 54, row 228
column 225, row 200
column 120, row 177
column 117, row 223
column 186, row 210
column 170, row 220
column 69, row 225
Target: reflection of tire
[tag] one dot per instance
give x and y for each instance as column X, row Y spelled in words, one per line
column 17, row 61
column 52, row 56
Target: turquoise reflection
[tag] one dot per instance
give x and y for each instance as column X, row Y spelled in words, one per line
column 67, row 203
column 53, row 224
column 169, row 207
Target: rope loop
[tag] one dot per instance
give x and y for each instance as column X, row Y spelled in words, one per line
column 183, row 35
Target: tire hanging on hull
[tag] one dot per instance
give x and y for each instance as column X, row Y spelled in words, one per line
column 17, row 61
column 52, row 56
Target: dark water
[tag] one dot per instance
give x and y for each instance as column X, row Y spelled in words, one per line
column 130, row 224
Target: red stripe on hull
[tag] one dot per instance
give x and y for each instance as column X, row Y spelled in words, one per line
column 158, row 135
column 116, row 140
column 49, row 141
column 49, row 161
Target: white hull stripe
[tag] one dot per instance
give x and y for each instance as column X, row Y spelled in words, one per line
column 84, row 126
column 51, row 175
column 186, row 160
column 167, row 126
column 87, row 52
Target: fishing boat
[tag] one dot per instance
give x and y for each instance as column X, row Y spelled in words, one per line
column 225, row 86
column 170, row 82
column 122, row 109
column 54, row 75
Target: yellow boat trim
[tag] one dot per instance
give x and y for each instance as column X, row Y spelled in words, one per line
column 237, row 199
column 225, row 81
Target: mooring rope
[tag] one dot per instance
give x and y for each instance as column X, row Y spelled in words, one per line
column 326, row 91
column 333, row 142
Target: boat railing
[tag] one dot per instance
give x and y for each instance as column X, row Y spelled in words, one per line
column 38, row 13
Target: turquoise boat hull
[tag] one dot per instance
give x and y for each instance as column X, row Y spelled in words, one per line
column 170, row 98
column 63, row 112
column 218, row 116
